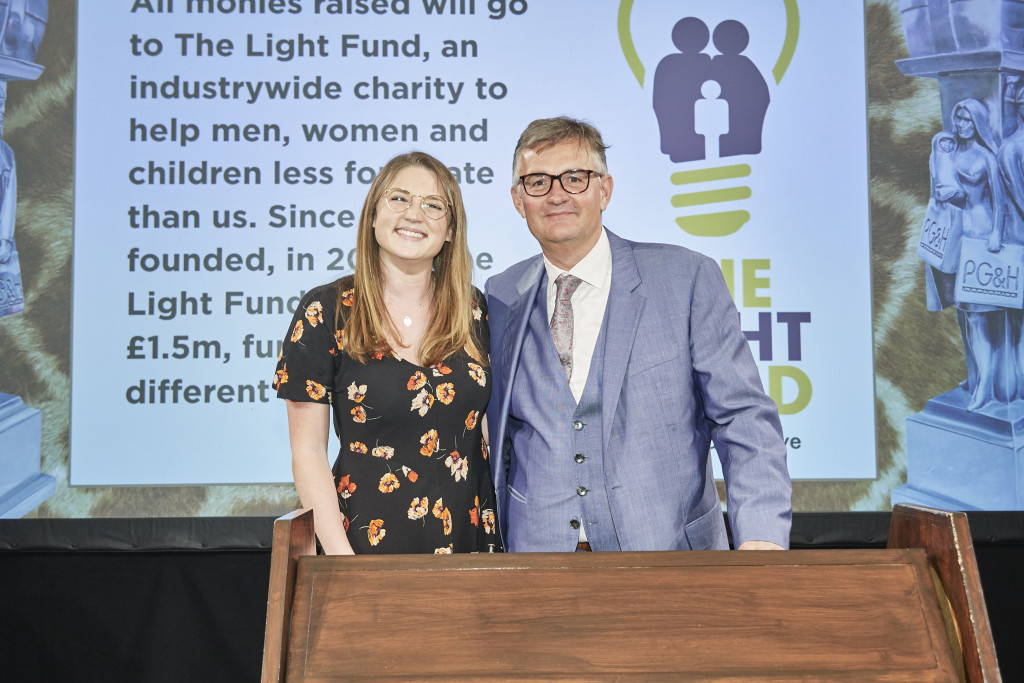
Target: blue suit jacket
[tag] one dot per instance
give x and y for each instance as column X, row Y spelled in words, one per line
column 678, row 373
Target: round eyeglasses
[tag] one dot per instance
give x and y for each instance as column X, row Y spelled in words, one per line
column 399, row 200
column 573, row 182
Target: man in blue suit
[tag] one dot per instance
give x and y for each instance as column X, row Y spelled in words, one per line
column 615, row 365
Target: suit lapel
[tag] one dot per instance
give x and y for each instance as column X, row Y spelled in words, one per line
column 515, row 332
column 625, row 305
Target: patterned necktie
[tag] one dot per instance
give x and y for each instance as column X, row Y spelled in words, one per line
column 561, row 319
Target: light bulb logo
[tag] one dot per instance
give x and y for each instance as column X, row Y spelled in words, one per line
column 708, row 109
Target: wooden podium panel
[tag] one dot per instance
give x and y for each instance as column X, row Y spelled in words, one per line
column 631, row 615
column 950, row 549
column 840, row 615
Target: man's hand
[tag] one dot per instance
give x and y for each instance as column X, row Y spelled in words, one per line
column 760, row 545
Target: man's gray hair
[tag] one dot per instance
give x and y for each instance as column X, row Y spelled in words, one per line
column 544, row 133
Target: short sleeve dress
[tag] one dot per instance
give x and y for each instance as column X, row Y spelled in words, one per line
column 412, row 473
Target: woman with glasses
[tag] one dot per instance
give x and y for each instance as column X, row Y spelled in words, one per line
column 399, row 351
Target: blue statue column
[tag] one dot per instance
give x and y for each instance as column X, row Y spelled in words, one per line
column 965, row 449
column 22, row 486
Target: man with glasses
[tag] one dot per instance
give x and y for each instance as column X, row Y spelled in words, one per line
column 615, row 364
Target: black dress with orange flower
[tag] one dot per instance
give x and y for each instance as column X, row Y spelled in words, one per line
column 412, row 473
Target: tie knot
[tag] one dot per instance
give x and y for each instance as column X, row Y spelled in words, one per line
column 565, row 286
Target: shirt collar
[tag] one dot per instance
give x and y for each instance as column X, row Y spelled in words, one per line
column 594, row 268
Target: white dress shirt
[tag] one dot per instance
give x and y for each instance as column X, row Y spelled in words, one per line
column 588, row 306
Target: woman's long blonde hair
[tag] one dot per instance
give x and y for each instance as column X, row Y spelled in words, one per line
column 366, row 321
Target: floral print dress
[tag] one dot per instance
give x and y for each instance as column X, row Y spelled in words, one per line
column 412, row 473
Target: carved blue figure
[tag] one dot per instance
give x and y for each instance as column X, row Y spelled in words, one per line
column 977, row 174
column 946, row 193
column 8, row 188
column 22, row 23
column 1011, row 171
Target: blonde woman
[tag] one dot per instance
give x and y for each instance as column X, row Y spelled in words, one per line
column 398, row 354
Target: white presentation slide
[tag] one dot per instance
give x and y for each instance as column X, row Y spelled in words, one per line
column 224, row 149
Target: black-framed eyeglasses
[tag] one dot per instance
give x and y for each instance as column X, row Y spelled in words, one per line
column 399, row 201
column 573, row 182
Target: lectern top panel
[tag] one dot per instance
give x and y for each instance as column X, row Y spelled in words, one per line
column 799, row 615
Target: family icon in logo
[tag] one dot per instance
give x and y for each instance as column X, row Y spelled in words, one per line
column 710, row 107
column 710, row 104
column 692, row 90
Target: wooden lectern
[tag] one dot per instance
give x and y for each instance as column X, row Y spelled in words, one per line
column 912, row 612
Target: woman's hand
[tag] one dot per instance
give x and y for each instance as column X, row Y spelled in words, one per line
column 308, row 429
